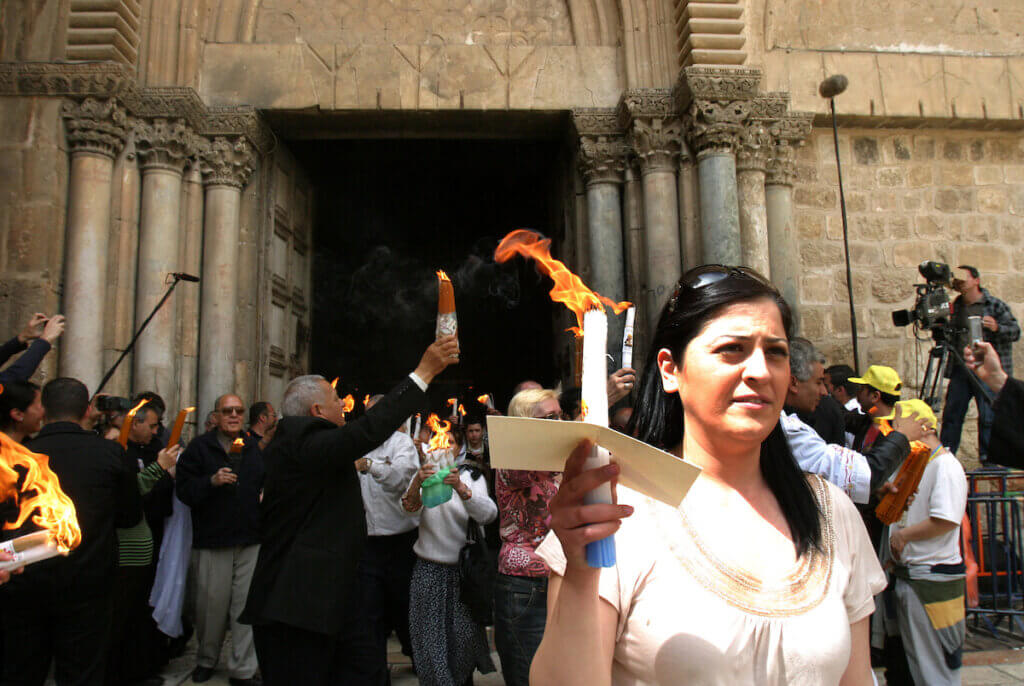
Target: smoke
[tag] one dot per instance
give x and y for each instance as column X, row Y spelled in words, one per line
column 391, row 285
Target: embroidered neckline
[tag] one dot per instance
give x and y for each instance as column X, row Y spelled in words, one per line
column 797, row 593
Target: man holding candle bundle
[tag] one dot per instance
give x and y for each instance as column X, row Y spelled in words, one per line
column 304, row 603
column 221, row 479
column 61, row 608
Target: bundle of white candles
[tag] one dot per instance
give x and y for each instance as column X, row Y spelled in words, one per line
column 29, row 549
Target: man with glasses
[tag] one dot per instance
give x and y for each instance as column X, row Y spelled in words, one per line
column 220, row 475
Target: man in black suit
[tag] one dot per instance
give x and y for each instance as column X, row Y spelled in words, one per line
column 303, row 601
column 61, row 608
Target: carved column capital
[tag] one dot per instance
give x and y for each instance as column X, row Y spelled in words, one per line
column 94, row 125
column 164, row 144
column 787, row 134
column 755, row 147
column 226, row 161
column 716, row 103
column 657, row 143
column 602, row 159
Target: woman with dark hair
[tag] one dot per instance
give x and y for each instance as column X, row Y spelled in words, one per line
column 763, row 574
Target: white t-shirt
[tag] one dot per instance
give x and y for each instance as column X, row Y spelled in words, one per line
column 687, row 617
column 942, row 493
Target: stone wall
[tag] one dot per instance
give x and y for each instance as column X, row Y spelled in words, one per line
column 912, row 195
column 33, row 192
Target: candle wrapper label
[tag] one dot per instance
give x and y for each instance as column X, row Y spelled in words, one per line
column 31, row 555
column 447, row 325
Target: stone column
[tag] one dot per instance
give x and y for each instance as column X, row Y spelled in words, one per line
column 655, row 139
column 96, row 135
column 716, row 101
column 164, row 146
column 601, row 160
column 751, row 163
column 787, row 133
column 190, row 258
column 689, row 211
column 226, row 166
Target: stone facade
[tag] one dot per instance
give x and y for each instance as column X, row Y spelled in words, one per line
column 695, row 129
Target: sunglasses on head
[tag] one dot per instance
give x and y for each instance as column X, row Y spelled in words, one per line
column 700, row 277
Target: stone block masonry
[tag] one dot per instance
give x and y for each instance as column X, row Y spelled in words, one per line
column 912, row 195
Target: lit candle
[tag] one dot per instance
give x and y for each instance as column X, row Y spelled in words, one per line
column 595, row 400
column 179, row 424
column 627, row 338
column 36, row 553
column 23, row 543
column 126, row 426
column 447, row 321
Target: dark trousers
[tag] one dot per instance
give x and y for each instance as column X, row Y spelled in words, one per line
column 289, row 655
column 137, row 648
column 958, row 396
column 385, row 571
column 67, row 626
column 520, row 615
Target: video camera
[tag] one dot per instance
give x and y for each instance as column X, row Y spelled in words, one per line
column 931, row 309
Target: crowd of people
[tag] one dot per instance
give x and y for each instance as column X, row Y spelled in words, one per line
column 311, row 539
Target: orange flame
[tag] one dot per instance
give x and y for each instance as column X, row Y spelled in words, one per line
column 462, row 410
column 569, row 289
column 483, row 398
column 441, row 275
column 575, row 331
column 126, row 426
column 442, row 436
column 348, row 403
column 334, row 384
column 583, row 409
column 366, row 400
column 40, row 496
column 237, row 446
column 452, row 402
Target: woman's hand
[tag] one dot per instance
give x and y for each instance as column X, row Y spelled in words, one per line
column 455, row 481
column 424, row 473
column 577, row 524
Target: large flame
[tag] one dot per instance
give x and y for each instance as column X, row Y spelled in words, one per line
column 348, row 403
column 40, row 496
column 482, row 399
column 442, row 433
column 569, row 289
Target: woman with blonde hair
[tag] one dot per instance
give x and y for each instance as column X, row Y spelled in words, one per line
column 520, row 591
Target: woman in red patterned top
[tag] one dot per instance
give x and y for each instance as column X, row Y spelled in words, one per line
column 520, row 593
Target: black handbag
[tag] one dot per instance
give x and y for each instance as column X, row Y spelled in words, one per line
column 478, row 570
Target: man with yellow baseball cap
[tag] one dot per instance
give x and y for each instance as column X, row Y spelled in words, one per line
column 879, row 391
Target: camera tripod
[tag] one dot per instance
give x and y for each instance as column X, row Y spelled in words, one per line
column 935, row 371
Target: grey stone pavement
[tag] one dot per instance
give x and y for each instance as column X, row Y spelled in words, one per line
column 178, row 670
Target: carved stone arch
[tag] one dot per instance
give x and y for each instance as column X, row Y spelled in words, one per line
column 649, row 38
column 596, row 22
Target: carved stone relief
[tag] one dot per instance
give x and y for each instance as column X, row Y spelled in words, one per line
column 94, row 125
column 226, row 162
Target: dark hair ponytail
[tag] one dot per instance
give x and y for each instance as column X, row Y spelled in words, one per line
column 658, row 418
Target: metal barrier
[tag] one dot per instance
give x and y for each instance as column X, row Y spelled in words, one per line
column 995, row 507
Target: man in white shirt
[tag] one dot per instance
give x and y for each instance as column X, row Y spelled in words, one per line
column 929, row 577
column 386, row 566
column 858, row 475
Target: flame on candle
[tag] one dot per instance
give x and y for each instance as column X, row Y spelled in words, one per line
column 482, row 399
column 442, row 433
column 569, row 289
column 237, row 445
column 462, row 410
column 441, row 275
column 366, row 400
column 575, row 331
column 40, row 496
column 348, row 403
column 334, row 384
column 452, row 402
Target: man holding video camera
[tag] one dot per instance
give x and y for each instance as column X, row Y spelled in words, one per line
column 999, row 328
